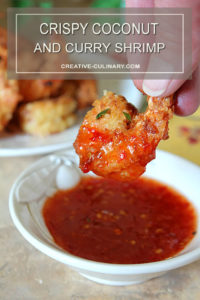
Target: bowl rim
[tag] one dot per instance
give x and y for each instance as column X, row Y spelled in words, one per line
column 94, row 266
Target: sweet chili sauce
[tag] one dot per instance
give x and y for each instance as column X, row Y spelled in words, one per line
column 120, row 222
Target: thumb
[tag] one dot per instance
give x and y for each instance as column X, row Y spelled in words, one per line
column 161, row 88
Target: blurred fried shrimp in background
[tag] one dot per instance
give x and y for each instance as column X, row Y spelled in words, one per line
column 47, row 116
column 32, row 90
column 84, row 91
column 46, row 106
column 9, row 89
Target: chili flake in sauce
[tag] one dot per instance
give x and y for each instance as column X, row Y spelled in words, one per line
column 120, row 222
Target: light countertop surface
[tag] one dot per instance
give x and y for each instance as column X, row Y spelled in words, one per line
column 26, row 273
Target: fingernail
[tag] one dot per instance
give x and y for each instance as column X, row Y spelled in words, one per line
column 155, row 88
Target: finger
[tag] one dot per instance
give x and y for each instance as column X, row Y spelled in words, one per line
column 187, row 98
column 161, row 88
column 139, row 3
column 172, row 88
column 138, row 84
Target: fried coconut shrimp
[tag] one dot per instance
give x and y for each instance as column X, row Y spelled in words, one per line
column 47, row 116
column 84, row 91
column 9, row 98
column 3, row 49
column 9, row 89
column 32, row 90
column 117, row 141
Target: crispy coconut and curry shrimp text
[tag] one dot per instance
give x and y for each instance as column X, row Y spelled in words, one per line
column 117, row 141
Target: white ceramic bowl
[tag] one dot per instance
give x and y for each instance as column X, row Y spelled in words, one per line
column 167, row 168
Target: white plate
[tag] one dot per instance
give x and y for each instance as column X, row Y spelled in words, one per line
column 25, row 145
column 25, row 203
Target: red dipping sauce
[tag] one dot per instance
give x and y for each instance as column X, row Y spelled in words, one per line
column 120, row 222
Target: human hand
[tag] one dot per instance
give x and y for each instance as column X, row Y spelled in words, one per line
column 186, row 92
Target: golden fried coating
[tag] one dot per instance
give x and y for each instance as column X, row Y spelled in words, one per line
column 3, row 58
column 86, row 92
column 9, row 89
column 9, row 98
column 32, row 90
column 116, row 141
column 47, row 116
column 69, row 88
column 3, row 49
column 3, row 37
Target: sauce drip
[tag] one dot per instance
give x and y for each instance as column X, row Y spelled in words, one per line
column 120, row 222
